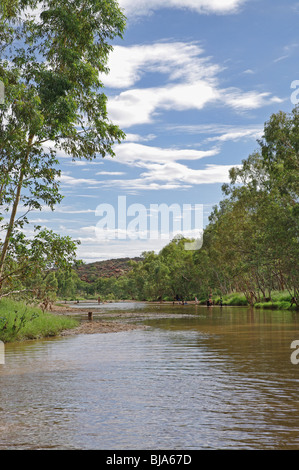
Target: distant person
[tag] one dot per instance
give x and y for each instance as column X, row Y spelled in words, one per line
column 99, row 300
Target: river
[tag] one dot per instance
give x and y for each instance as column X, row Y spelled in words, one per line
column 195, row 378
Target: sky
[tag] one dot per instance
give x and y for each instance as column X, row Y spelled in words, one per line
column 191, row 84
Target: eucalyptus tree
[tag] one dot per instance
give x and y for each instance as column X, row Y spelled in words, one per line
column 274, row 167
column 267, row 186
column 53, row 53
column 280, row 153
column 33, row 264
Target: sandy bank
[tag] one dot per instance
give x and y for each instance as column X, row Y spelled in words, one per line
column 95, row 326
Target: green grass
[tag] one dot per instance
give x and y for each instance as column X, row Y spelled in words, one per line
column 19, row 321
column 284, row 305
column 278, row 296
column 236, row 299
column 278, row 305
column 279, row 301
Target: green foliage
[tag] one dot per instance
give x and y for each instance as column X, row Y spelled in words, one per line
column 20, row 321
column 251, row 245
column 235, row 299
column 255, row 231
column 284, row 305
column 54, row 96
column 31, row 265
column 51, row 68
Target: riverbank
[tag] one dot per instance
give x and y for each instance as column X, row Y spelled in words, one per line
column 99, row 326
column 20, row 321
column 278, row 301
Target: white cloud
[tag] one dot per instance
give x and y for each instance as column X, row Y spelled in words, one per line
column 221, row 132
column 72, row 211
column 158, row 165
column 141, row 184
column 145, row 7
column 176, row 60
column 95, row 250
column 236, row 134
column 240, row 100
column 79, row 231
column 177, row 172
column 110, row 173
column 73, row 181
column 140, row 106
column 173, row 175
column 139, row 154
column 139, row 138
column 84, row 162
column 62, row 209
column 192, row 82
column 160, row 168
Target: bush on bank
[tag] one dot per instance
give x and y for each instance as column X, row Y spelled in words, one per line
column 279, row 301
column 19, row 321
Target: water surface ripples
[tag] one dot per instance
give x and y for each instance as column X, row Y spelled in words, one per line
column 205, row 381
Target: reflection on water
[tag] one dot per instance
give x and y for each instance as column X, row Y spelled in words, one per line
column 216, row 379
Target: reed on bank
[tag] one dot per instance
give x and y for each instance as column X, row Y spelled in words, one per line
column 20, row 321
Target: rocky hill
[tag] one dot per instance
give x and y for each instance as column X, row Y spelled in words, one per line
column 109, row 268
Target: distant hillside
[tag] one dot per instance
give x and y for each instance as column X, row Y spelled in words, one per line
column 109, row 268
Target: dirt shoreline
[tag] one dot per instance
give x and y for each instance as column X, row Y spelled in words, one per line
column 99, row 326
column 93, row 326
column 122, row 320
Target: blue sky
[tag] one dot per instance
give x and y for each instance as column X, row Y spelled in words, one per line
column 191, row 84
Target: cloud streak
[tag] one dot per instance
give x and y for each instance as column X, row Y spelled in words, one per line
column 139, row 154
column 174, row 60
column 191, row 82
column 145, row 7
column 172, row 176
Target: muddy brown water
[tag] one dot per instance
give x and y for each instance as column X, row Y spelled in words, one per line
column 195, row 378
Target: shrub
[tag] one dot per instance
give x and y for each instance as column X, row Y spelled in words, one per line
column 19, row 321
